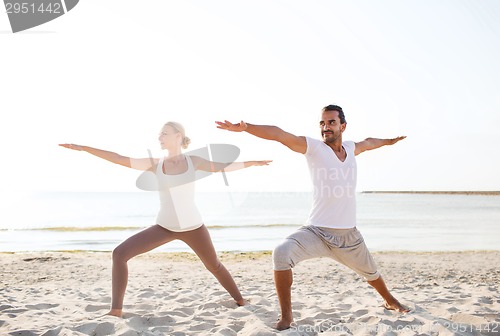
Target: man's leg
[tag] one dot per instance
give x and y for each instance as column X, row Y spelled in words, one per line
column 283, row 281
column 300, row 245
column 391, row 302
column 353, row 253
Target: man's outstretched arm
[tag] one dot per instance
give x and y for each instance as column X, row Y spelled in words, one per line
column 296, row 143
column 373, row 143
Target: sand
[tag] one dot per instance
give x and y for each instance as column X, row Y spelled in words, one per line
column 65, row 293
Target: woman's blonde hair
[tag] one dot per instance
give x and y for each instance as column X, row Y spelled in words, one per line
column 180, row 129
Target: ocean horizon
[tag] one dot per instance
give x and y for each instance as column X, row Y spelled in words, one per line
column 252, row 221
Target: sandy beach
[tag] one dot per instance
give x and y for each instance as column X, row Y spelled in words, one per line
column 66, row 293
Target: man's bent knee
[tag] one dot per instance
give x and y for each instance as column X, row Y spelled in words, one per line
column 372, row 277
column 282, row 256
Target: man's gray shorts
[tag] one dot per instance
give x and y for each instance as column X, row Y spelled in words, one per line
column 346, row 246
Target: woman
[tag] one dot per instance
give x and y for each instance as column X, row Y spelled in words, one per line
column 178, row 217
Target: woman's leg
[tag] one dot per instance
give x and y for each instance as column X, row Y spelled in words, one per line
column 199, row 240
column 139, row 243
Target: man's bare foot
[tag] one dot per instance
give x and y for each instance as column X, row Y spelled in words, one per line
column 115, row 312
column 283, row 324
column 395, row 305
column 240, row 302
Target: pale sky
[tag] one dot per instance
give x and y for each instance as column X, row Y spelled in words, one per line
column 109, row 73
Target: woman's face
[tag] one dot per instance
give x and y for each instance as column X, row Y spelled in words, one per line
column 169, row 138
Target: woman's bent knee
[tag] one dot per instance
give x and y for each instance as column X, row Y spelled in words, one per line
column 214, row 267
column 120, row 254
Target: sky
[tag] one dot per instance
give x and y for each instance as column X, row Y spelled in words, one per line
column 109, row 74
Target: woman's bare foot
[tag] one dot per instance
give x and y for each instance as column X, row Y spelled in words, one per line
column 395, row 305
column 115, row 312
column 240, row 302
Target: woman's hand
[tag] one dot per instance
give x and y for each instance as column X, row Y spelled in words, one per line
column 72, row 146
column 260, row 163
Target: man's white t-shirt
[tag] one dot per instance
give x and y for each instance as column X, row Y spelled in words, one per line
column 334, row 182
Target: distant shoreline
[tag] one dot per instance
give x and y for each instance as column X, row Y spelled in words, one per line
column 489, row 193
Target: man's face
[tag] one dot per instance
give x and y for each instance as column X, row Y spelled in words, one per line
column 331, row 128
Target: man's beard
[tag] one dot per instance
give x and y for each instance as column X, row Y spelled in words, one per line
column 331, row 138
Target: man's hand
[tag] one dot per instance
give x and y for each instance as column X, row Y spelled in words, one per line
column 373, row 143
column 393, row 141
column 226, row 125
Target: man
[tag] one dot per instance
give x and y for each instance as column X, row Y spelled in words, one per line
column 331, row 230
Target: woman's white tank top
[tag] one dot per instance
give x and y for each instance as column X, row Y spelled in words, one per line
column 178, row 211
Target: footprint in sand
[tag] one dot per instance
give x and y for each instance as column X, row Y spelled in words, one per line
column 145, row 322
column 360, row 312
column 202, row 326
column 146, row 294
column 236, row 326
column 4, row 307
column 207, row 314
column 15, row 311
column 53, row 332
column 240, row 314
column 228, row 304
column 42, row 306
column 24, row 333
column 182, row 312
column 343, row 306
column 211, row 305
column 326, row 316
column 94, row 308
column 104, row 328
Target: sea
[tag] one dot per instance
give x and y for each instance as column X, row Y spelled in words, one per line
column 247, row 221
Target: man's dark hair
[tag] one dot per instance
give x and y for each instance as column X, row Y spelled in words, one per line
column 338, row 109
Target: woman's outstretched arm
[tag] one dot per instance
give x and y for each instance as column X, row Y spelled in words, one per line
column 210, row 166
column 139, row 164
